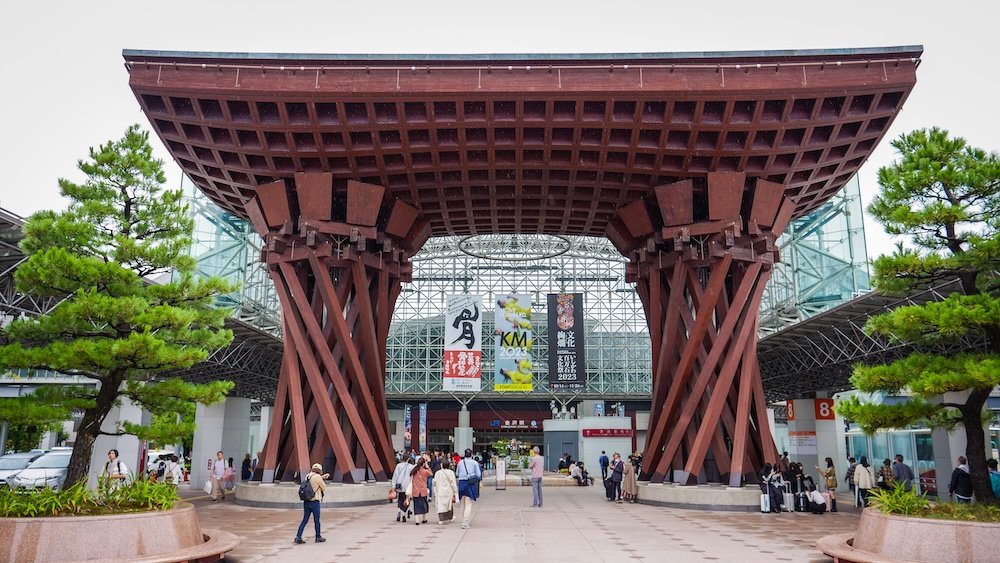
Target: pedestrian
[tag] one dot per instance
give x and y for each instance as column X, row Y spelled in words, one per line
column 230, row 476
column 401, row 482
column 961, row 482
column 864, row 480
column 784, row 465
column 172, row 473
column 434, row 464
column 537, row 466
column 603, row 462
column 630, row 486
column 419, row 491
column 445, row 492
column 849, row 478
column 115, row 472
column 994, row 476
column 218, row 476
column 245, row 470
column 617, row 474
column 902, row 473
column 885, row 478
column 470, row 474
column 829, row 475
column 310, row 507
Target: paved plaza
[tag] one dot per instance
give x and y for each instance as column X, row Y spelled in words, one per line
column 576, row 524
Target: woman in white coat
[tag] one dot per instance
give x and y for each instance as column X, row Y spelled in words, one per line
column 445, row 492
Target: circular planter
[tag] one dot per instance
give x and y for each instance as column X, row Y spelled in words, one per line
column 166, row 535
column 889, row 538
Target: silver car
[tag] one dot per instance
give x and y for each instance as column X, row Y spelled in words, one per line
column 48, row 470
column 11, row 464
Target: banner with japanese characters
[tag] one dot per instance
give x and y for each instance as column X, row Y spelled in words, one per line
column 463, row 348
column 567, row 366
column 407, row 427
column 422, row 433
column 513, row 335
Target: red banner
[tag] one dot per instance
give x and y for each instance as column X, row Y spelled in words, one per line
column 607, row 432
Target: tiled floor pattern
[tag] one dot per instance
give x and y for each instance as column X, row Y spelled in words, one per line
column 576, row 525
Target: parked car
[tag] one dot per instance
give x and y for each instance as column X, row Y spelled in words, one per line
column 11, row 464
column 49, row 470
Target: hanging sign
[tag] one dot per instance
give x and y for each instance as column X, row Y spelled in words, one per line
column 567, row 367
column 407, row 427
column 513, row 371
column 422, row 433
column 463, row 352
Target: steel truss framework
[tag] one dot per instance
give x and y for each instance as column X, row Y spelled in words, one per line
column 617, row 341
column 820, row 353
column 12, row 302
column 824, row 263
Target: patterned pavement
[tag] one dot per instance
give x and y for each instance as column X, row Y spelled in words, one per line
column 576, row 524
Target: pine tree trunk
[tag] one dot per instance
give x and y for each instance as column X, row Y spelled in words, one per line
column 975, row 449
column 90, row 429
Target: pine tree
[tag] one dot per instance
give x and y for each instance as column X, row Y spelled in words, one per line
column 945, row 196
column 115, row 325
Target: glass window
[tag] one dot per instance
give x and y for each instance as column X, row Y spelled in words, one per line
column 901, row 445
column 880, row 449
column 859, row 445
column 924, row 467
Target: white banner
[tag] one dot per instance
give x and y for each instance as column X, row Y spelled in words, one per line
column 463, row 347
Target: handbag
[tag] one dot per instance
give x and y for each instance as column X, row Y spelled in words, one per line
column 208, row 487
column 473, row 479
column 446, row 516
column 393, row 494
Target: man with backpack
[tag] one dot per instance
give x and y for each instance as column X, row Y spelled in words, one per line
column 311, row 493
column 603, row 462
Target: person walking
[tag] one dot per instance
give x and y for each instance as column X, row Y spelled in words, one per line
column 885, row 478
column 469, row 476
column 172, row 472
column 537, row 467
column 994, row 476
column 617, row 473
column 849, row 478
column 630, row 486
column 864, row 480
column 445, row 492
column 419, row 479
column 310, row 507
column 961, row 482
column 230, row 483
column 434, row 463
column 902, row 473
column 401, row 482
column 115, row 472
column 245, row 471
column 218, row 477
column 603, row 462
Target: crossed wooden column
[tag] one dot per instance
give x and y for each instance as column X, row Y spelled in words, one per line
column 338, row 258
column 701, row 280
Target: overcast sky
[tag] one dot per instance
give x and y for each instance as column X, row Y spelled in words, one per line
column 65, row 88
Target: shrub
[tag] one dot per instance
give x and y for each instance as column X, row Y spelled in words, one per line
column 908, row 503
column 78, row 500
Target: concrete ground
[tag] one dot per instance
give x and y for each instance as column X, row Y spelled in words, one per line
column 576, row 524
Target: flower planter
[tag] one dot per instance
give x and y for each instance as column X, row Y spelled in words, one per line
column 167, row 535
column 890, row 538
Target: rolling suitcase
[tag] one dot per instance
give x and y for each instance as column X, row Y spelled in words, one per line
column 801, row 503
column 765, row 503
column 609, row 489
column 789, row 502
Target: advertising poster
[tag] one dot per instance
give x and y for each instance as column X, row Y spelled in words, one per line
column 513, row 334
column 463, row 348
column 802, row 443
column 567, row 367
column 407, row 427
column 422, row 434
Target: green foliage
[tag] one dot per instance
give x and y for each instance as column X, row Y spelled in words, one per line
column 898, row 501
column 33, row 414
column 116, row 326
column 79, row 500
column 960, row 511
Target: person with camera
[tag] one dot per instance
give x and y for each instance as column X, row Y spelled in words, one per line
column 470, row 474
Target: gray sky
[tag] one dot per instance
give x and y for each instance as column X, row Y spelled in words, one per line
column 65, row 87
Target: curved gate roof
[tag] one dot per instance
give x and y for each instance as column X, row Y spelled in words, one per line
column 522, row 143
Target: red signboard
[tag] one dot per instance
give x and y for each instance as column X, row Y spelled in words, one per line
column 824, row 409
column 607, row 432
